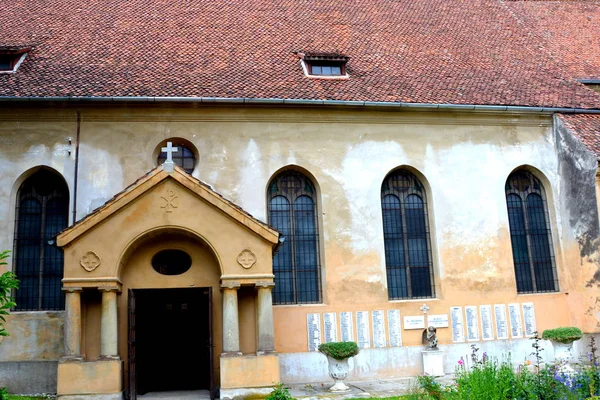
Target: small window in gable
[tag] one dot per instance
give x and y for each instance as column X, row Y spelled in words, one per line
column 325, row 65
column 11, row 58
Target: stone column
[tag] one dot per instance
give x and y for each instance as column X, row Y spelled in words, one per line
column 231, row 323
column 264, row 318
column 73, row 323
column 109, row 324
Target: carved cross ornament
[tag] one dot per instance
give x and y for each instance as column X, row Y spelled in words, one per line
column 169, row 199
column 246, row 259
column 424, row 308
column 90, row 261
column 169, row 165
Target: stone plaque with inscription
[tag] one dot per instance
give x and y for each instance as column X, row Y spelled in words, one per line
column 394, row 328
column 363, row 332
column 330, row 327
column 501, row 323
column 438, row 321
column 378, row 328
column 472, row 323
column 516, row 327
column 347, row 326
column 313, row 325
column 414, row 322
column 529, row 317
column 458, row 330
column 487, row 329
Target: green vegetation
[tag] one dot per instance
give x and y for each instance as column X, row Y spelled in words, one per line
column 17, row 397
column 8, row 282
column 279, row 393
column 566, row 335
column 339, row 350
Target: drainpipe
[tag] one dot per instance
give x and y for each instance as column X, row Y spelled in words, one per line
column 76, row 166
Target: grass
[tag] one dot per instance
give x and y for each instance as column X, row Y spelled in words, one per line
column 18, row 397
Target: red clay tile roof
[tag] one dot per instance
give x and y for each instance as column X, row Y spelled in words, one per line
column 427, row 51
column 586, row 127
column 568, row 30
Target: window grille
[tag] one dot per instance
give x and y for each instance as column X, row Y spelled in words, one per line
column 41, row 213
column 530, row 234
column 183, row 157
column 293, row 212
column 406, row 237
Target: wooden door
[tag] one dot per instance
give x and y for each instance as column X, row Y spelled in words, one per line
column 131, row 387
column 213, row 389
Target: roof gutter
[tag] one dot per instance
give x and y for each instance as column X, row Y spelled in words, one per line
column 300, row 102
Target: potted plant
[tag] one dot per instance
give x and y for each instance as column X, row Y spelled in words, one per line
column 562, row 340
column 338, row 354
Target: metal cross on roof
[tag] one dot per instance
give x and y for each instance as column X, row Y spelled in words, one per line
column 168, row 165
column 424, row 308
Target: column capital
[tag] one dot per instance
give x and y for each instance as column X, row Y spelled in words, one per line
column 230, row 285
column 265, row 285
column 69, row 289
column 108, row 289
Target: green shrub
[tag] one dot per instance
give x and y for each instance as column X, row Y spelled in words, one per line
column 279, row 393
column 339, row 350
column 566, row 335
column 8, row 282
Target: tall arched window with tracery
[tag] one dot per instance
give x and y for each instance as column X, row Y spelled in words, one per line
column 293, row 212
column 406, row 237
column 530, row 234
column 41, row 213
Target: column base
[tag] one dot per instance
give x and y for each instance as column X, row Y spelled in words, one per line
column 265, row 352
column 109, row 358
column 66, row 359
column 231, row 354
column 98, row 379
column 249, row 371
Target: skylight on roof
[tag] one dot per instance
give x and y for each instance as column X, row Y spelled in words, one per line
column 324, row 65
column 11, row 58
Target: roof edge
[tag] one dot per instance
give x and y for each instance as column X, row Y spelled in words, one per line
column 303, row 102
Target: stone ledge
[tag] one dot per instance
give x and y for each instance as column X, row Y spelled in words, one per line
column 109, row 396
column 245, row 393
column 27, row 377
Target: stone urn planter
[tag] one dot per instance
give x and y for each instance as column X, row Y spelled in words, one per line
column 338, row 354
column 562, row 340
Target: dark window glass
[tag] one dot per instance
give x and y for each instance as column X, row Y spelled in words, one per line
column 183, row 157
column 296, row 266
column 406, row 237
column 325, row 68
column 6, row 62
column 530, row 234
column 171, row 262
column 42, row 212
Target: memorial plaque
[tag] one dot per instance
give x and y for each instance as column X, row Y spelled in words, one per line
column 501, row 323
column 472, row 323
column 414, row 322
column 486, row 322
column 516, row 327
column 378, row 328
column 363, row 332
column 330, row 326
column 313, row 325
column 394, row 328
column 458, row 329
column 347, row 327
column 529, row 317
column 438, row 321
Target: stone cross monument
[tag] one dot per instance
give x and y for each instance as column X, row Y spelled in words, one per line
column 169, row 165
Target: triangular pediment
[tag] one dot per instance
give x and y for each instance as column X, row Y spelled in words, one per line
column 148, row 183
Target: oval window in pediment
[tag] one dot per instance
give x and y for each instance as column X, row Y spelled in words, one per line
column 171, row 262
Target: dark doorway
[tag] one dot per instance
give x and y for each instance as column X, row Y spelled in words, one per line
column 170, row 340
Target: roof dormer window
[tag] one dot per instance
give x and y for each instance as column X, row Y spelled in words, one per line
column 324, row 65
column 11, row 58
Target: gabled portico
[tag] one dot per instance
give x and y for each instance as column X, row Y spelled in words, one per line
column 111, row 253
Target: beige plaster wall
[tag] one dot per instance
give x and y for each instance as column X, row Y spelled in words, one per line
column 463, row 158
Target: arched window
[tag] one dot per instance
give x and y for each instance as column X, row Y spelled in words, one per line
column 293, row 212
column 406, row 237
column 530, row 234
column 41, row 213
column 183, row 157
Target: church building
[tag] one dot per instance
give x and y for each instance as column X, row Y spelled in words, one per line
column 196, row 194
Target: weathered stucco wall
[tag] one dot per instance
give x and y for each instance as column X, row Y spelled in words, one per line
column 463, row 159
